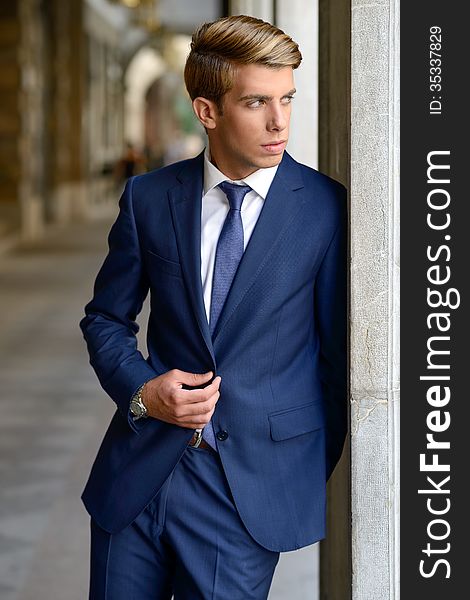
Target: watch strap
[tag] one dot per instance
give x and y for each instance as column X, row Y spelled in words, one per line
column 137, row 399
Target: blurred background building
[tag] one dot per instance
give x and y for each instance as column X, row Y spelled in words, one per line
column 85, row 85
column 91, row 91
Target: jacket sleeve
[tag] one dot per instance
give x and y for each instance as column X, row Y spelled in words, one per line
column 332, row 319
column 109, row 325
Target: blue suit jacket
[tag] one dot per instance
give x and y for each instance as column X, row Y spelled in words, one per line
column 280, row 348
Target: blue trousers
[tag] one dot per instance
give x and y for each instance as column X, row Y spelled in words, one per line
column 189, row 543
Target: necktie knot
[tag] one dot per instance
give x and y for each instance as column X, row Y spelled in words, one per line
column 235, row 193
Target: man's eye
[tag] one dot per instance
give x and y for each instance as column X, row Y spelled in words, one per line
column 256, row 103
column 288, row 99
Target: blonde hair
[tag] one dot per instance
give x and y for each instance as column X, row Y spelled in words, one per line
column 217, row 49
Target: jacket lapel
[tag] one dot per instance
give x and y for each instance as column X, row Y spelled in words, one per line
column 186, row 205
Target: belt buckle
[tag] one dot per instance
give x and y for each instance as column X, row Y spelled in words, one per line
column 198, row 440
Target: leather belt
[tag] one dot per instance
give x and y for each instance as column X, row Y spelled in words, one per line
column 197, row 442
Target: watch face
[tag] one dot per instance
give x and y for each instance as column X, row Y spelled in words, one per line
column 136, row 409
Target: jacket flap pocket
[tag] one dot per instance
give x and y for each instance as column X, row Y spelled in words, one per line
column 296, row 421
column 164, row 264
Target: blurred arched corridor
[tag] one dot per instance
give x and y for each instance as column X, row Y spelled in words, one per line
column 92, row 92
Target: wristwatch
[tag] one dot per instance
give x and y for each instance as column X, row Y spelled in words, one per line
column 137, row 407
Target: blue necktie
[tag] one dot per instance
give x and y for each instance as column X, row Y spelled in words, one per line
column 227, row 257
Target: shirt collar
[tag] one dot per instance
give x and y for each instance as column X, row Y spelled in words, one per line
column 259, row 181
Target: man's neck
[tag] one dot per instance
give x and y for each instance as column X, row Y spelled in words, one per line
column 227, row 171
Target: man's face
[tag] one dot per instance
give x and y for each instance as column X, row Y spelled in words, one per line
column 253, row 129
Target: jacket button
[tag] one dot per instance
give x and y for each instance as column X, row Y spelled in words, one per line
column 222, row 435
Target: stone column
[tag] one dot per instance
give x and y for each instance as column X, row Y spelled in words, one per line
column 374, row 298
column 10, row 122
column 32, row 112
column 64, row 110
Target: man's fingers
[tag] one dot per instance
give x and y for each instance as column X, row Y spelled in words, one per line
column 192, row 379
column 199, row 395
column 199, row 408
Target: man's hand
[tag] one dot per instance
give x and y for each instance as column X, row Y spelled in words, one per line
column 166, row 399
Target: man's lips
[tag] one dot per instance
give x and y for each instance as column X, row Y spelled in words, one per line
column 275, row 146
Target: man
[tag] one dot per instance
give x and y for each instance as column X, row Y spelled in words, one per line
column 224, row 436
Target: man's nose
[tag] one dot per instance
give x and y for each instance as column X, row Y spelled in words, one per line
column 278, row 118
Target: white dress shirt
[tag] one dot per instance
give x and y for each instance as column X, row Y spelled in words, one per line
column 215, row 207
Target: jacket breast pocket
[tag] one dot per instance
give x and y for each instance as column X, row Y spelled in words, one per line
column 164, row 265
column 296, row 421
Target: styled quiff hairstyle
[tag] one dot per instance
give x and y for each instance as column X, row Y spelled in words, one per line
column 217, row 49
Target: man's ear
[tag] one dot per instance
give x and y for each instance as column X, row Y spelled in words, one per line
column 206, row 111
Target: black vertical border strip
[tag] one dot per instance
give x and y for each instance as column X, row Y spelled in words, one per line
column 422, row 133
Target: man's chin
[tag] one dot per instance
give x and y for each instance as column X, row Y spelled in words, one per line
column 271, row 161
